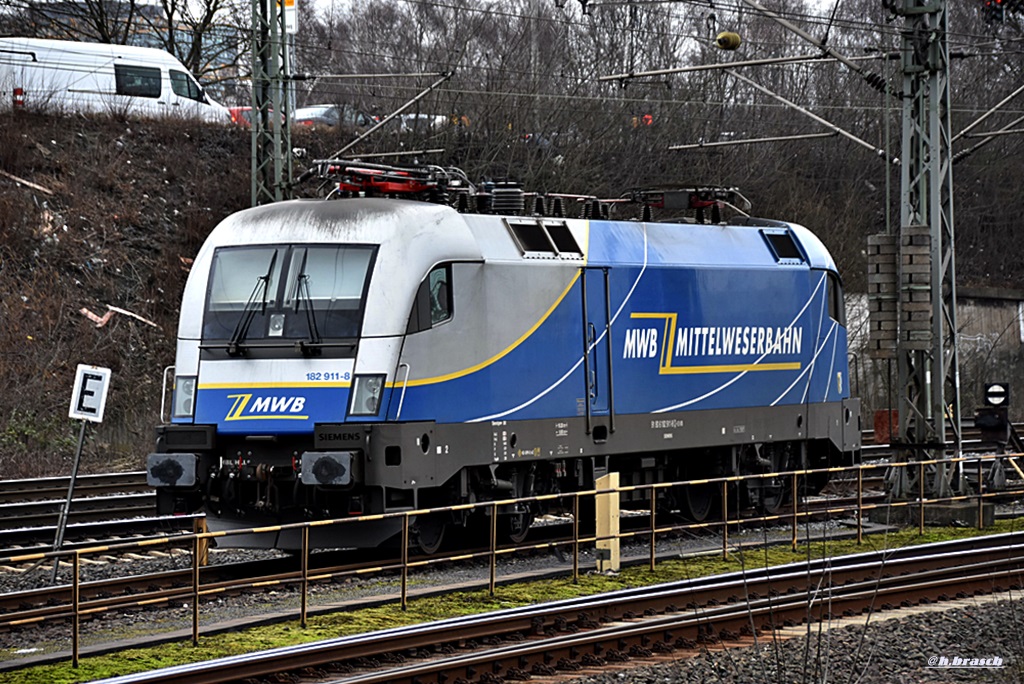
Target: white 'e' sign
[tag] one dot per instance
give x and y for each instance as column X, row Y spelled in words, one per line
column 90, row 393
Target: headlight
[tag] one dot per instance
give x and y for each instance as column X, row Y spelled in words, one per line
column 366, row 393
column 276, row 325
column 184, row 396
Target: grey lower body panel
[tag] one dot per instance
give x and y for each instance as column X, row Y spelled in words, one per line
column 344, row 534
column 416, row 455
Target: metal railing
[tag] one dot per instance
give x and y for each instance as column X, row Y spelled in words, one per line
column 801, row 510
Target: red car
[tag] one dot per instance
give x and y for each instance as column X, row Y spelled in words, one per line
column 243, row 116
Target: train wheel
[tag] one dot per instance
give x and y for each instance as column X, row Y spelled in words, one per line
column 772, row 495
column 429, row 533
column 516, row 526
column 696, row 501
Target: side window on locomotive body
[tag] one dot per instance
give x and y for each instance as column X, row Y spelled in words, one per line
column 433, row 304
column 836, row 305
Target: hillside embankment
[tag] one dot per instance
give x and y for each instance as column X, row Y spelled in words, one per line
column 100, row 218
column 98, row 213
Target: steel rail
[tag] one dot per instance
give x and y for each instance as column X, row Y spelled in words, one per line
column 199, row 590
column 128, row 592
column 546, row 540
column 769, row 597
column 41, row 538
column 97, row 508
column 667, row 633
column 12, row 491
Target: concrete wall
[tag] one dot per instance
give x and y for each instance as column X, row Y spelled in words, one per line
column 991, row 344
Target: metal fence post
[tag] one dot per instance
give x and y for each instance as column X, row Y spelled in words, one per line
column 920, row 495
column 195, row 590
column 75, row 599
column 654, row 496
column 494, row 548
column 796, row 508
column 305, row 575
column 576, row 538
column 860, row 505
column 405, row 561
column 725, row 520
column 981, row 497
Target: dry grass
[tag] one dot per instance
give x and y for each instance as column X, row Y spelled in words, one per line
column 128, row 200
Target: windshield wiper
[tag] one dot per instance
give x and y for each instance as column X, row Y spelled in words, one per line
column 308, row 347
column 257, row 300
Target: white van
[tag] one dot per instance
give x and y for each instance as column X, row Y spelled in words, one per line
column 68, row 76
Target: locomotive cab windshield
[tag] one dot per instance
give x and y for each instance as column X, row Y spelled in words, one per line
column 286, row 295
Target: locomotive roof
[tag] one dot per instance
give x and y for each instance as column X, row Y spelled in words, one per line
column 416, row 236
column 421, row 235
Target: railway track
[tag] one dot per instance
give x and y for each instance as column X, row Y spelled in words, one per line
column 23, row 609
column 169, row 587
column 612, row 628
column 103, row 506
column 48, row 488
column 26, row 609
column 124, row 505
column 25, row 504
column 91, row 509
column 28, row 540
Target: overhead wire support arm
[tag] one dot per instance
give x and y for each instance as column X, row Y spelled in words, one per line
column 429, row 89
column 313, row 77
column 990, row 112
column 752, row 141
column 796, row 59
column 403, row 153
column 992, row 134
column 824, row 122
column 873, row 79
column 986, row 137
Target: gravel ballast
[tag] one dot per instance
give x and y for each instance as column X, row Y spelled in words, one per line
column 987, row 637
column 117, row 628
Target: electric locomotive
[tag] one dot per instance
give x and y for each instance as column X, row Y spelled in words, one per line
column 347, row 357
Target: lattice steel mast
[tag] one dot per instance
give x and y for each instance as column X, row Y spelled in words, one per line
column 913, row 291
column 271, row 134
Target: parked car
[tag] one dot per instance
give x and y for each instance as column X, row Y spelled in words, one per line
column 331, row 115
column 242, row 116
column 422, row 123
column 73, row 77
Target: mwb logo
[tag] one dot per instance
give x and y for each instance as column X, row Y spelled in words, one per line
column 263, row 408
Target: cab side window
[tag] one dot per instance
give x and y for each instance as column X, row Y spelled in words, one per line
column 433, row 304
column 440, row 295
column 836, row 306
column 183, row 86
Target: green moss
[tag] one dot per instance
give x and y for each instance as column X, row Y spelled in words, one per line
column 453, row 605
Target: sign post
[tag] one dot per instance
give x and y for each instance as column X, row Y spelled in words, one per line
column 88, row 399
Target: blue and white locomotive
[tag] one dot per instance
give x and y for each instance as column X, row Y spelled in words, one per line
column 368, row 355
